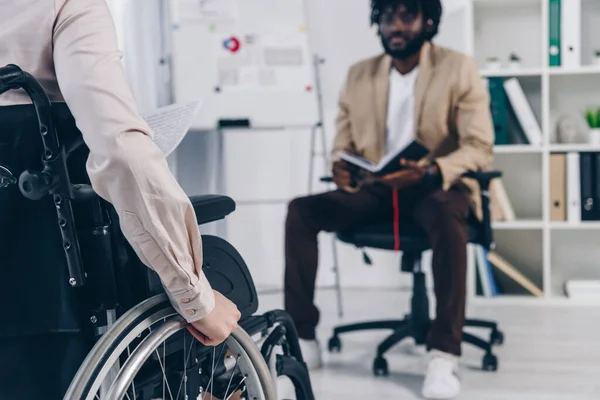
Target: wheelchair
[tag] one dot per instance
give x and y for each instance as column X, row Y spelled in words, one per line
column 140, row 348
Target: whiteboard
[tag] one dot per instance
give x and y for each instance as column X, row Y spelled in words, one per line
column 247, row 59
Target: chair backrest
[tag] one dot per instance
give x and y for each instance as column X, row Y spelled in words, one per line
column 36, row 294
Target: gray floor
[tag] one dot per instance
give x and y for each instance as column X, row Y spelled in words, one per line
column 550, row 353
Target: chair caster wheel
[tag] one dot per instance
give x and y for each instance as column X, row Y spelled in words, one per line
column 490, row 362
column 335, row 345
column 497, row 338
column 380, row 367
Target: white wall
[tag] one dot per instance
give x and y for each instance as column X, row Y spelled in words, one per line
column 342, row 35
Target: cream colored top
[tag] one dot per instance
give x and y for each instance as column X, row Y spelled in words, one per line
column 70, row 46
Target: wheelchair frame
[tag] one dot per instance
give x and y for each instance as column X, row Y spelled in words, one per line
column 54, row 180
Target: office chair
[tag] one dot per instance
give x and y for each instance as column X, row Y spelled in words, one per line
column 414, row 243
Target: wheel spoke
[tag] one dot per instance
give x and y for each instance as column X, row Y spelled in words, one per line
column 237, row 387
column 231, row 377
column 185, row 364
column 164, row 373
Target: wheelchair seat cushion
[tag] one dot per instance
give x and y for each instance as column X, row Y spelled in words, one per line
column 381, row 236
column 209, row 208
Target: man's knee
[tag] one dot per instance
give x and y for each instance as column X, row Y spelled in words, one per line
column 443, row 208
column 298, row 214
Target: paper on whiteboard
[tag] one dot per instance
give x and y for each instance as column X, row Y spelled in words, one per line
column 170, row 124
column 277, row 60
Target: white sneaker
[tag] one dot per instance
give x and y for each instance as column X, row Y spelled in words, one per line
column 441, row 380
column 311, row 352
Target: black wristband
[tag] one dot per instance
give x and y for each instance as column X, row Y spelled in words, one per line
column 433, row 177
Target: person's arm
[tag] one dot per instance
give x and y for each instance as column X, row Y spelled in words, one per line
column 125, row 166
column 474, row 127
column 343, row 131
column 344, row 174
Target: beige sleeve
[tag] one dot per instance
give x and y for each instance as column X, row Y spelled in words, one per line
column 474, row 127
column 343, row 130
column 125, row 166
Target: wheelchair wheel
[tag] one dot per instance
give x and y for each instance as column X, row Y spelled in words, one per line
column 148, row 354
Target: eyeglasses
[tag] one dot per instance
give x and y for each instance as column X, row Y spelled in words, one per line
column 403, row 16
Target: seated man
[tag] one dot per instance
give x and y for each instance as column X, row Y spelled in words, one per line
column 415, row 91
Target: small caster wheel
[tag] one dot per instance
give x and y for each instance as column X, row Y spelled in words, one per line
column 335, row 345
column 497, row 338
column 380, row 367
column 490, row 362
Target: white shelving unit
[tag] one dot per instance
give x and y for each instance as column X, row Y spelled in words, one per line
column 547, row 252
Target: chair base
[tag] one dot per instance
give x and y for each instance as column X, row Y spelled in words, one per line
column 409, row 328
column 416, row 326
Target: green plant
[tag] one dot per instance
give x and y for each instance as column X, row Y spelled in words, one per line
column 597, row 52
column 592, row 116
column 514, row 57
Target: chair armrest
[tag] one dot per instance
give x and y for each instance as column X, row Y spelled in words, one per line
column 484, row 178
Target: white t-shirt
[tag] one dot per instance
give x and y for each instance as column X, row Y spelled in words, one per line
column 401, row 109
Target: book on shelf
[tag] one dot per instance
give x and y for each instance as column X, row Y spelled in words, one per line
column 503, row 278
column 523, row 111
column 582, row 289
column 554, row 45
column 570, row 33
column 512, row 116
column 575, row 186
column 499, row 110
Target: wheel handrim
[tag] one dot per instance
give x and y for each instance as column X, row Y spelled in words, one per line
column 90, row 378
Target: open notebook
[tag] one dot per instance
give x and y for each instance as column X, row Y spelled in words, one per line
column 388, row 163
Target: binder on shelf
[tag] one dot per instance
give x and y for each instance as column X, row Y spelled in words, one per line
column 573, row 188
column 586, row 182
column 558, row 210
column 570, row 33
column 554, row 51
column 597, row 184
column 499, row 110
column 523, row 111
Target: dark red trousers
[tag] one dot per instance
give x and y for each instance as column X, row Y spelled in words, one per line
column 442, row 214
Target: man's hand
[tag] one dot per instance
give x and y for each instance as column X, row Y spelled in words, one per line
column 216, row 327
column 343, row 174
column 410, row 174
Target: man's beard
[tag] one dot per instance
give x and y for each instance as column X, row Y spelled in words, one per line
column 413, row 45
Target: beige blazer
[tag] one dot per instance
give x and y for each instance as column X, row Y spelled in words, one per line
column 70, row 46
column 452, row 115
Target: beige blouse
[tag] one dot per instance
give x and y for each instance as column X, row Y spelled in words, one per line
column 70, row 46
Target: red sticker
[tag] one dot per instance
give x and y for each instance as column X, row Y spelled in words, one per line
column 232, row 44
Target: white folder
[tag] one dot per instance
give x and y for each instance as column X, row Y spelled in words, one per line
column 523, row 110
column 573, row 188
column 570, row 33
